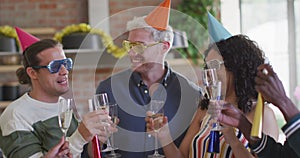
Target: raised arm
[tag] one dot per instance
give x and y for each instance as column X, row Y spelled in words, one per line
column 270, row 86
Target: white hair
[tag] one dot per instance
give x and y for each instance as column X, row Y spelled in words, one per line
column 139, row 23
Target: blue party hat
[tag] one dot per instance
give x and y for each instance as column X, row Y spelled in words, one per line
column 216, row 30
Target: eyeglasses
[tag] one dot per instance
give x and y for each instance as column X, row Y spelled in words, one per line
column 214, row 64
column 137, row 47
column 55, row 65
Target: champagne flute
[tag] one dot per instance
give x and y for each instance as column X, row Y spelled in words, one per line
column 65, row 112
column 213, row 90
column 101, row 103
column 156, row 107
column 76, row 113
column 113, row 113
column 95, row 141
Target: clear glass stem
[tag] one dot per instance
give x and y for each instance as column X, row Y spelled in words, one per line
column 108, row 144
column 107, row 141
column 156, row 144
column 112, row 140
column 112, row 152
column 216, row 126
column 65, row 134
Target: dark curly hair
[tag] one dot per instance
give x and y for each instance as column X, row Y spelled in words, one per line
column 241, row 56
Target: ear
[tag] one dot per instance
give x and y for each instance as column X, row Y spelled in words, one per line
column 32, row 73
column 166, row 45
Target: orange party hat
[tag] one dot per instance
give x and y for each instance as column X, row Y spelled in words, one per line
column 25, row 38
column 159, row 17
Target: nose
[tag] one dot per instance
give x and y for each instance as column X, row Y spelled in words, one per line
column 63, row 70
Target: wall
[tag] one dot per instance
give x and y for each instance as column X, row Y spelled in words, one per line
column 57, row 14
column 41, row 13
column 121, row 12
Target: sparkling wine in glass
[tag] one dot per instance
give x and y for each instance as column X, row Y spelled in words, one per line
column 210, row 81
column 65, row 112
column 157, row 109
column 213, row 90
column 101, row 102
column 113, row 113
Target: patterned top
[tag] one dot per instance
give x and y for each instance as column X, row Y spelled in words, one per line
column 199, row 145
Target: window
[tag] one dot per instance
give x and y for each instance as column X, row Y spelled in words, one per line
column 268, row 22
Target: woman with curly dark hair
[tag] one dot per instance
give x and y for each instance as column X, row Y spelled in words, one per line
column 241, row 57
column 236, row 60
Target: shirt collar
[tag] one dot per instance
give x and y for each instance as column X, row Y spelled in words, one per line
column 139, row 82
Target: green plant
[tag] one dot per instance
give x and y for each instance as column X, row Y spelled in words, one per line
column 9, row 31
column 197, row 9
column 83, row 27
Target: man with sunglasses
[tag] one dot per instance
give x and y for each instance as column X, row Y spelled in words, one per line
column 29, row 125
column 149, row 78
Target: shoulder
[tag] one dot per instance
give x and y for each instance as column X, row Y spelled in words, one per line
column 269, row 115
column 200, row 115
column 268, row 109
column 269, row 122
column 15, row 107
column 115, row 78
column 12, row 118
column 184, row 80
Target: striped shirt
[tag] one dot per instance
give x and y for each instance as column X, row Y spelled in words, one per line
column 199, row 145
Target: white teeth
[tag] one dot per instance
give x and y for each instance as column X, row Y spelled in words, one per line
column 64, row 81
column 136, row 60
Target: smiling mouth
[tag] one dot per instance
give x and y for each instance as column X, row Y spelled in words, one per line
column 137, row 60
column 63, row 81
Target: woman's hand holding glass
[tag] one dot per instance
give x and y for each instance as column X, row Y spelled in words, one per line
column 213, row 90
column 214, row 109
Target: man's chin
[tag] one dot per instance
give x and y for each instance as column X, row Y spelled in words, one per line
column 136, row 66
column 64, row 91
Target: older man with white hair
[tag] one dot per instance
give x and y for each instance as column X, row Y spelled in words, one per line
column 149, row 78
